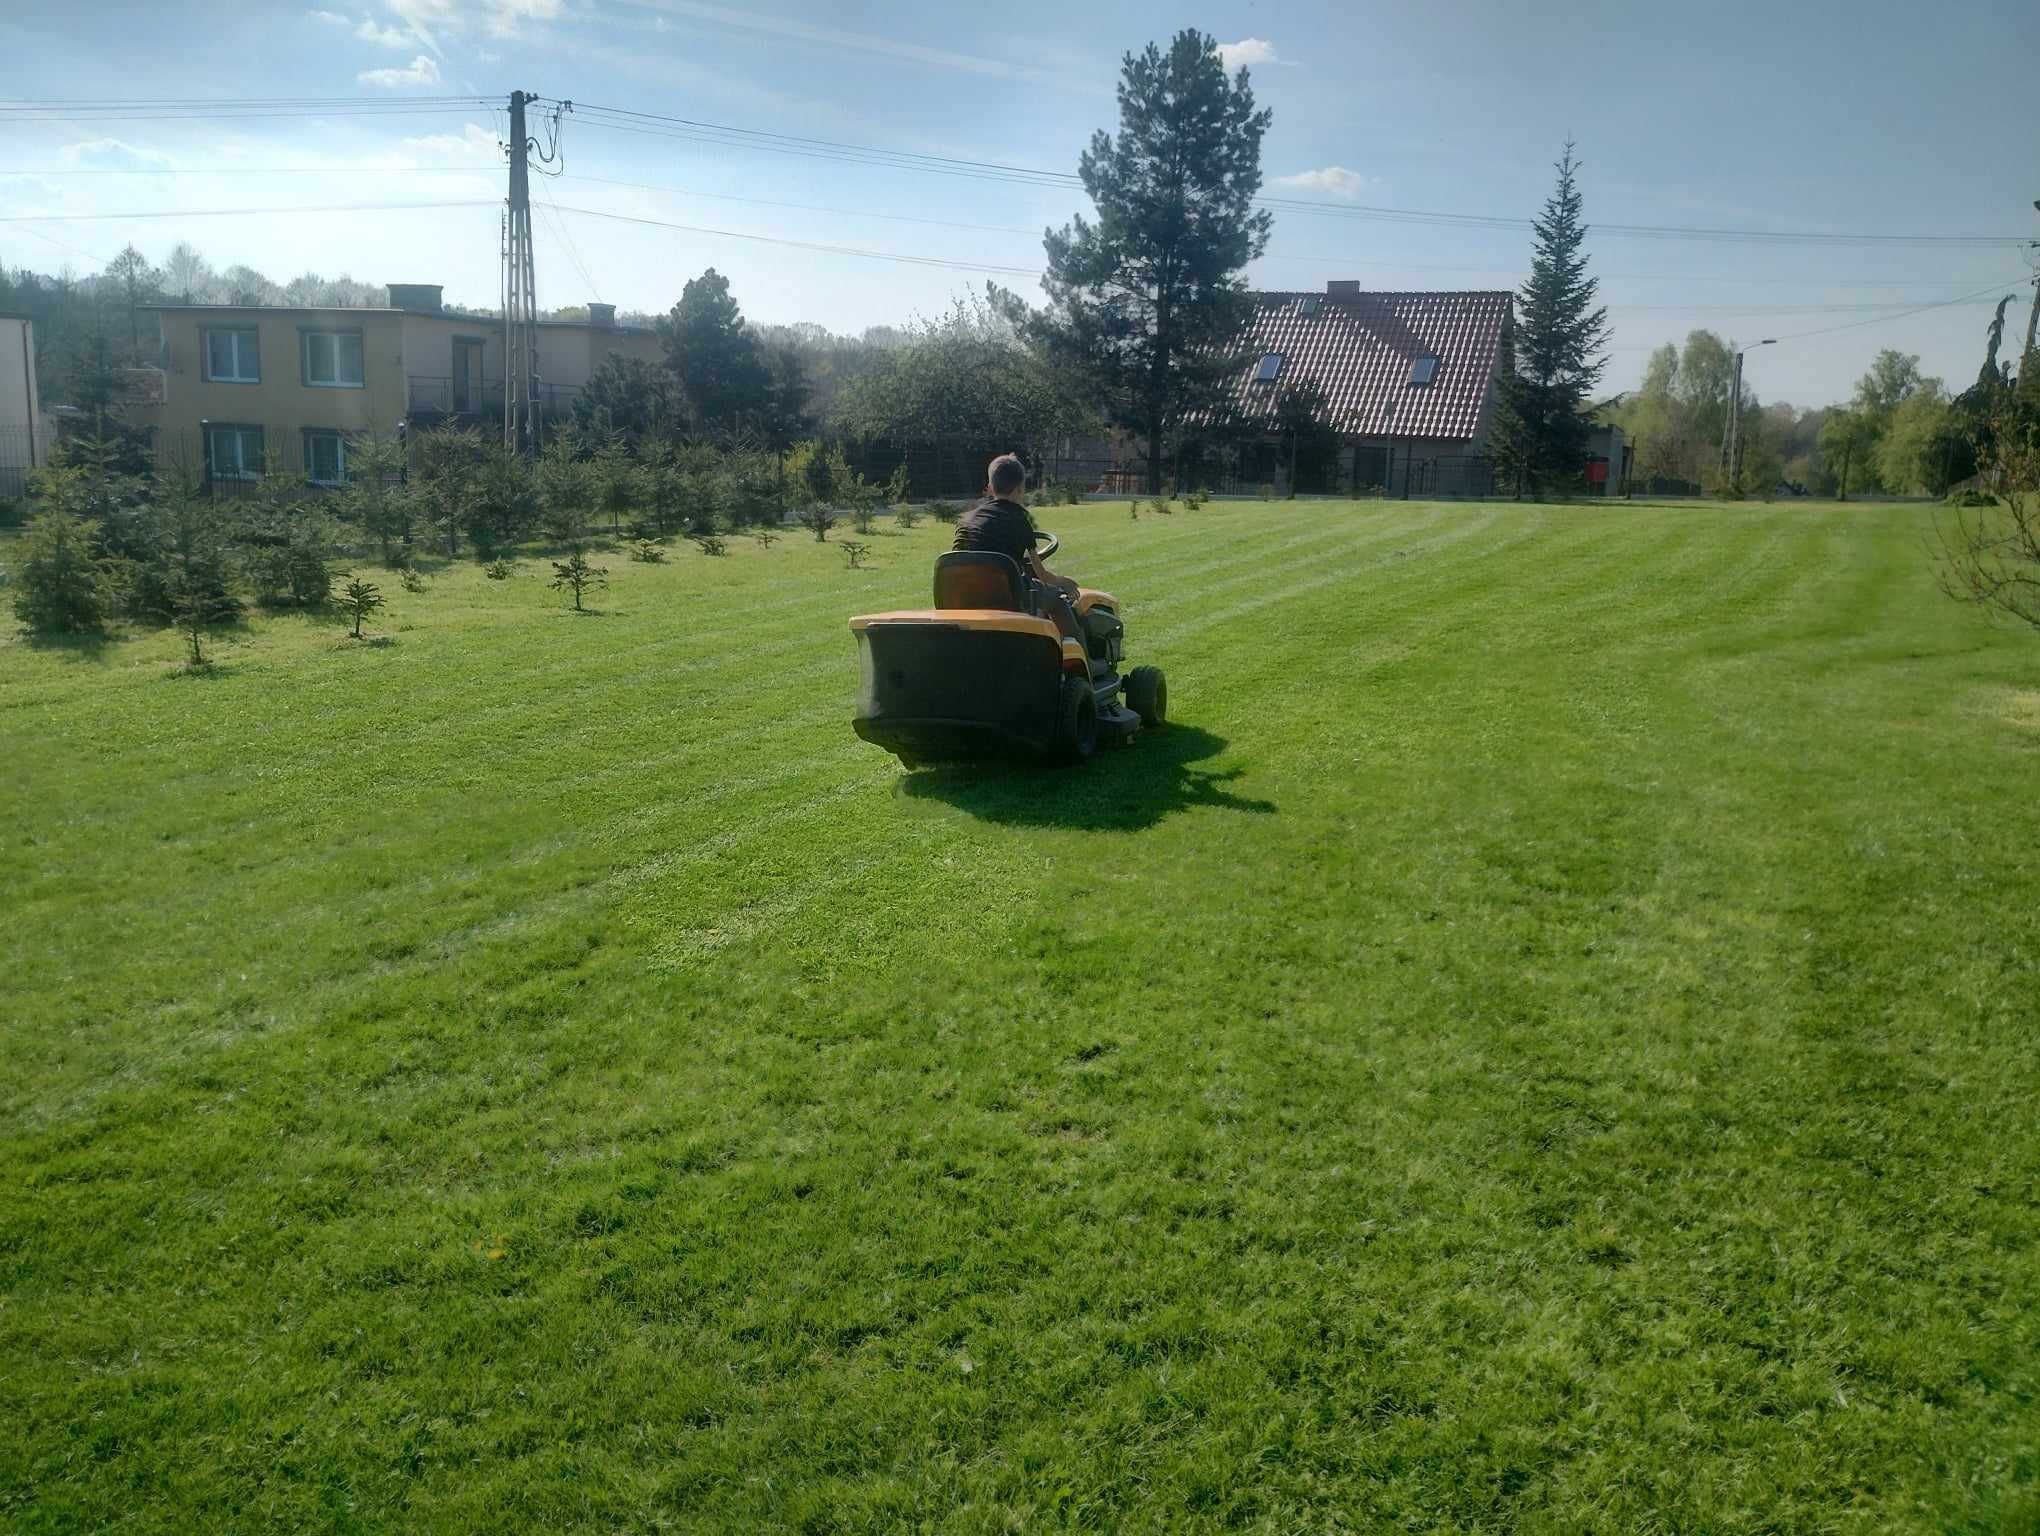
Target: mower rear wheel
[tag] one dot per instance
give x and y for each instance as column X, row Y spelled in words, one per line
column 1079, row 737
column 1147, row 695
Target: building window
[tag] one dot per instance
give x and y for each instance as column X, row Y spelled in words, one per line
column 1271, row 364
column 333, row 359
column 234, row 453
column 231, row 357
column 1307, row 306
column 325, row 457
column 1423, row 369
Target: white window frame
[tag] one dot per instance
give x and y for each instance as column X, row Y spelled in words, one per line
column 247, row 350
column 305, row 349
column 312, row 434
column 240, row 469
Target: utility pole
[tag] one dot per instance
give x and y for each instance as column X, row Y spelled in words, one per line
column 1731, row 440
column 2033, row 314
column 520, row 304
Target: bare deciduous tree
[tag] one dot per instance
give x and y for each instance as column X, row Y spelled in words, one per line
column 1990, row 554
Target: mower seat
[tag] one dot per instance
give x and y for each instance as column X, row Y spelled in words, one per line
column 977, row 578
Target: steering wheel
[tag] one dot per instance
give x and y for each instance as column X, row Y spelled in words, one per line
column 1046, row 544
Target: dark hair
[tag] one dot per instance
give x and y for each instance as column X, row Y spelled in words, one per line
column 1006, row 474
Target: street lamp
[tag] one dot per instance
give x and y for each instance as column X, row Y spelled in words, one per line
column 1731, row 442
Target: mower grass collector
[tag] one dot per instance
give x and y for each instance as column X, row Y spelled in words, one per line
column 1000, row 666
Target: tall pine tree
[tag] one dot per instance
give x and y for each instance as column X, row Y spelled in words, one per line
column 1147, row 303
column 1551, row 362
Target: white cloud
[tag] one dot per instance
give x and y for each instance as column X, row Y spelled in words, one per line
column 506, row 18
column 429, row 20
column 1334, row 180
column 330, row 18
column 420, row 71
column 114, row 155
column 473, row 145
column 1248, row 50
column 382, row 37
column 426, row 18
column 834, row 38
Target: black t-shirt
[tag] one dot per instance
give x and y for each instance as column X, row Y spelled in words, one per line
column 1002, row 527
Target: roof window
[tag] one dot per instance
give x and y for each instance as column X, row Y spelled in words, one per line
column 1307, row 306
column 1270, row 365
column 1423, row 369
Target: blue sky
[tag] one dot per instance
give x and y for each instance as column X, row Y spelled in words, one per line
column 1843, row 118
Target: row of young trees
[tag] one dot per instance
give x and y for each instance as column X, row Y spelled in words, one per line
column 108, row 543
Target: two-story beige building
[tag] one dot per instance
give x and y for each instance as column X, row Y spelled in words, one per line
column 247, row 387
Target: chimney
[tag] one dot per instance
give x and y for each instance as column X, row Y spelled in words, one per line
column 1343, row 288
column 602, row 316
column 418, row 298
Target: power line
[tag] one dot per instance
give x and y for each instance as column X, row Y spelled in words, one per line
column 233, row 213
column 187, row 110
column 832, row 149
column 1342, row 261
column 573, row 252
column 699, row 130
column 805, row 245
column 1826, row 330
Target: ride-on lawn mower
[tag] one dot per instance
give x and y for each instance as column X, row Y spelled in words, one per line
column 995, row 668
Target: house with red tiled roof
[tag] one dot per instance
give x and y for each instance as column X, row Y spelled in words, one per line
column 1408, row 380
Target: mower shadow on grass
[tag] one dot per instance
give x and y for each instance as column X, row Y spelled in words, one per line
column 1124, row 789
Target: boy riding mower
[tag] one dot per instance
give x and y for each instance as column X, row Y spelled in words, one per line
column 1000, row 666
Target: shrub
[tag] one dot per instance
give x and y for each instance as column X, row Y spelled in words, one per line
column 288, row 568
column 1161, row 505
column 945, row 511
column 896, row 486
column 711, row 543
column 645, row 552
column 449, row 480
column 376, row 499
column 861, row 517
column 1133, row 510
column 411, row 581
column 359, row 598
column 856, row 553
column 574, row 574
column 818, row 520
column 60, row 586
column 565, row 492
column 765, row 536
column 498, row 570
column 906, row 514
column 619, row 482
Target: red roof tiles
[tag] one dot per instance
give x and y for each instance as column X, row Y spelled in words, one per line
column 1358, row 349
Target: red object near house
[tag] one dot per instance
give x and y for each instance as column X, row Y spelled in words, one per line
column 1597, row 471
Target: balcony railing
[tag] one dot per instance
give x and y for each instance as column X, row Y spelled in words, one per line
column 432, row 397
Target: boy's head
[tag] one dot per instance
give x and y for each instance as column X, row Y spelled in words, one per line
column 1007, row 476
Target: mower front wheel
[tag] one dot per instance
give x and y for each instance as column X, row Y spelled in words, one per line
column 1147, row 695
column 1079, row 734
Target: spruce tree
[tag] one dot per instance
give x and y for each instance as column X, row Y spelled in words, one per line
column 1541, row 425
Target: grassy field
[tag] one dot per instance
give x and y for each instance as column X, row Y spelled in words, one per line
column 1545, row 1042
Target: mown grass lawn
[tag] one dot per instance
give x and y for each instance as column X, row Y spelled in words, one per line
column 1546, row 1042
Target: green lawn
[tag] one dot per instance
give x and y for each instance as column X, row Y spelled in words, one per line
column 1545, row 1042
